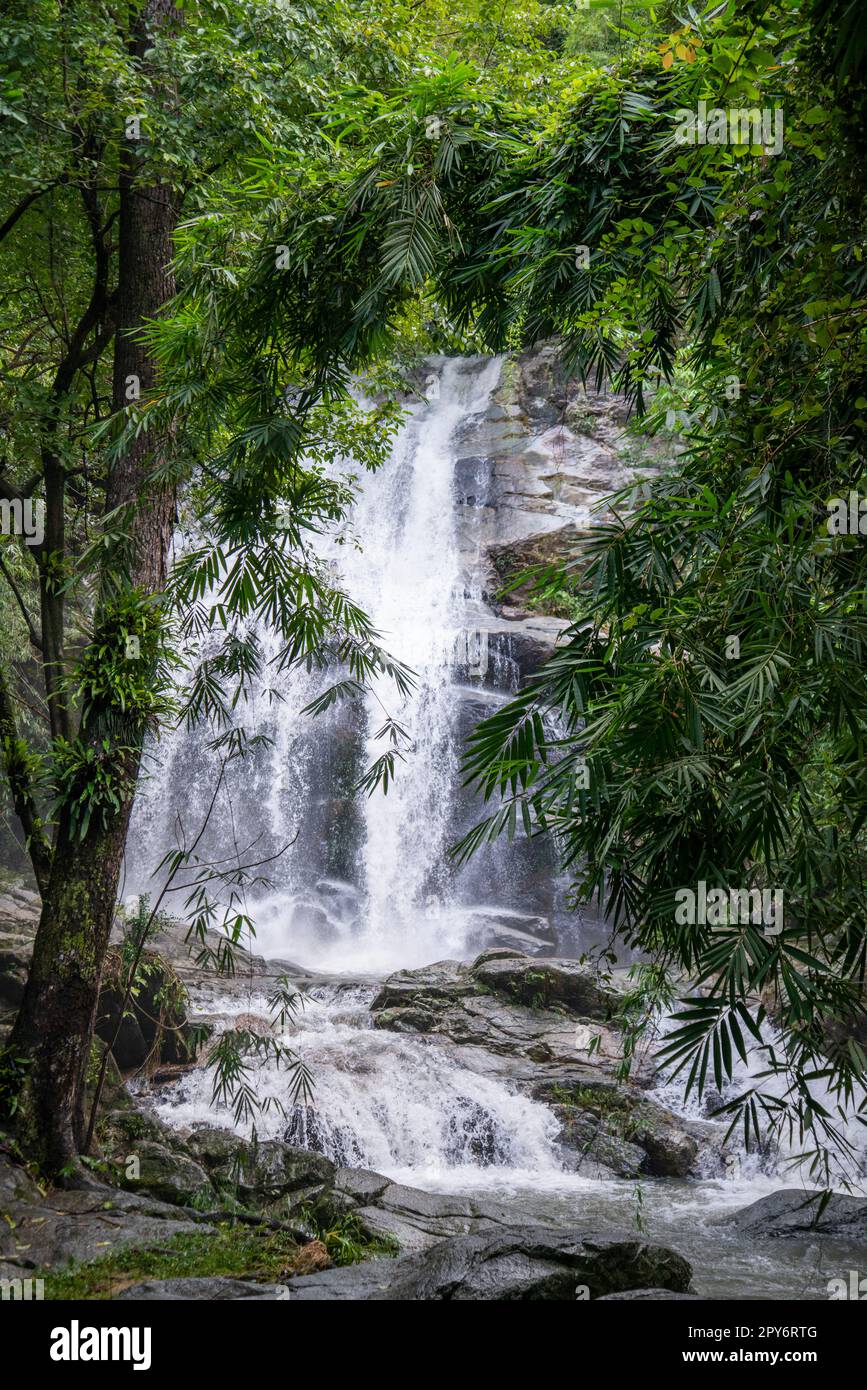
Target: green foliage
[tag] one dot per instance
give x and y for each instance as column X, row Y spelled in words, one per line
column 126, row 666
column 236, row 1050
column 123, row 674
column 358, row 186
column 738, row 277
column 234, row 1251
column 346, row 1240
column 250, row 76
column 12, row 1072
column 122, row 683
column 91, row 781
column 736, row 772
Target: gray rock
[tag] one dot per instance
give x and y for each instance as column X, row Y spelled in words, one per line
column 263, row 1173
column 524, row 643
column 154, row 1025
column 514, row 932
column 216, row 1149
column 417, row 1220
column 484, row 1021
column 16, row 1185
column 360, row 1184
column 213, row 1289
column 166, row 1174
column 610, row 1120
column 670, row 1150
column 123, row 1128
column 530, row 1263
column 792, row 1212
column 412, row 1018
column 566, row 984
column 83, row 1224
column 650, row 1296
column 505, row 1002
column 588, row 1146
column 443, row 982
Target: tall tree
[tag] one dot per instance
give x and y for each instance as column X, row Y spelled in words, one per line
column 54, row 1027
column 118, row 119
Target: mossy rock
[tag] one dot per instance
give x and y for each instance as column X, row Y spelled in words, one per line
column 165, row 1173
column 153, row 1028
column 263, row 1174
column 590, row 1137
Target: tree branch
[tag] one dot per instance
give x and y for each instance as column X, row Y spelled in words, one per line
column 14, row 753
column 34, row 635
column 22, row 207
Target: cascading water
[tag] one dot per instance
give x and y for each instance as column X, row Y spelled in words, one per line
column 387, row 896
column 367, row 888
column 366, row 885
column 362, row 888
column 399, row 1104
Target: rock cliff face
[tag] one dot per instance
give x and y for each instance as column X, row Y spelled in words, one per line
column 532, row 473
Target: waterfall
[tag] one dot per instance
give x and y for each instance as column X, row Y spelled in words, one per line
column 362, row 886
column 398, row 1103
column 365, row 883
column 408, row 577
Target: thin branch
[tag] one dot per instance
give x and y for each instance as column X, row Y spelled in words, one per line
column 140, row 945
column 34, row 635
column 21, row 788
column 22, row 207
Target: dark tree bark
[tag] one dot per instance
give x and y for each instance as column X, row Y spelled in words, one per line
column 54, row 1029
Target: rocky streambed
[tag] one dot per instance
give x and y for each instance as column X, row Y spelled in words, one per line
column 467, row 1135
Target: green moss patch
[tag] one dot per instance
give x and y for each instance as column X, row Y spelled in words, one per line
column 239, row 1252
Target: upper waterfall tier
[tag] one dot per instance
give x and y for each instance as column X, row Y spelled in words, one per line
column 497, row 466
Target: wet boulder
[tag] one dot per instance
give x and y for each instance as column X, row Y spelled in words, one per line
column 507, row 1003
column 434, row 986
column 166, row 1174
column 263, row 1173
column 588, row 1147
column 528, row 1263
column 618, row 1126
column 151, row 1025
column 546, row 984
column 529, row 933
column 797, row 1212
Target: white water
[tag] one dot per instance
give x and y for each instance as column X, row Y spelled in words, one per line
column 401, row 1104
column 407, row 577
column 362, row 885
column 383, row 897
column 787, row 1153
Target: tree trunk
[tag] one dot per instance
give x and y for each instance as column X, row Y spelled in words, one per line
column 54, row 1029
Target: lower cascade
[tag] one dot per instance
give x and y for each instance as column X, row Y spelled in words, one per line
column 391, row 1102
